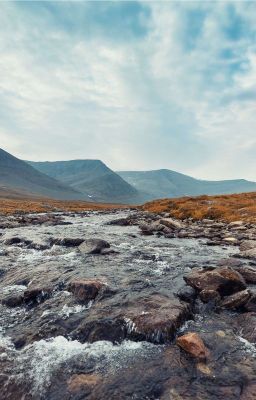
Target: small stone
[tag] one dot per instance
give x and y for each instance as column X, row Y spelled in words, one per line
column 194, row 345
column 85, row 290
column 221, row 333
column 202, row 367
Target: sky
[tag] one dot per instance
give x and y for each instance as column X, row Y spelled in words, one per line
column 139, row 85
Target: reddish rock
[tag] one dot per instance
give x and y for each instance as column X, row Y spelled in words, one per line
column 193, row 344
column 223, row 280
column 236, row 300
column 85, row 290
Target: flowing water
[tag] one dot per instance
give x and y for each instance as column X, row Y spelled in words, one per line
column 43, row 353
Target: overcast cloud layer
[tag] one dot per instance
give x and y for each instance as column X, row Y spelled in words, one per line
column 140, row 85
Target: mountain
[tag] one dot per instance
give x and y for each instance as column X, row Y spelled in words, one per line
column 16, row 175
column 165, row 183
column 91, row 177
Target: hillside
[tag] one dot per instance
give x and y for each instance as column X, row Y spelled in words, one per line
column 235, row 207
column 165, row 183
column 17, row 176
column 91, row 177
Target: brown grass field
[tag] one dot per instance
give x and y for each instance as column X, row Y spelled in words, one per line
column 23, row 206
column 228, row 208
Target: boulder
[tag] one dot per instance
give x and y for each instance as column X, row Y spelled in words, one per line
column 170, row 223
column 223, row 280
column 194, row 345
column 156, row 318
column 85, row 290
column 236, row 300
column 248, row 273
column 93, row 246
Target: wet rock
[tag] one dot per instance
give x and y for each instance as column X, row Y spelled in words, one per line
column 223, row 280
column 13, row 240
column 85, row 290
column 37, row 294
column 151, row 228
column 236, row 300
column 209, row 295
column 251, row 304
column 81, row 382
column 246, row 326
column 247, row 245
column 248, row 273
column 194, row 345
column 156, row 319
column 251, row 254
column 13, row 300
column 108, row 328
column 93, row 246
column 187, row 293
column 170, row 223
column 67, row 242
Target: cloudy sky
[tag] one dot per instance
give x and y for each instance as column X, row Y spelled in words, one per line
column 140, row 85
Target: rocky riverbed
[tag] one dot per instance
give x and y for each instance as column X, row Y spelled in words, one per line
column 126, row 305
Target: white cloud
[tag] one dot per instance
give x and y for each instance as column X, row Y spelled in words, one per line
column 169, row 98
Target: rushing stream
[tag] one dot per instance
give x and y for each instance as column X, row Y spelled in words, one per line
column 53, row 346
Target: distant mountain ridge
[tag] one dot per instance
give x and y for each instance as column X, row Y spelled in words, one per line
column 92, row 178
column 166, row 183
column 17, row 175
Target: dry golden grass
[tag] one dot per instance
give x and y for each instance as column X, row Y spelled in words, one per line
column 226, row 207
column 17, row 206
